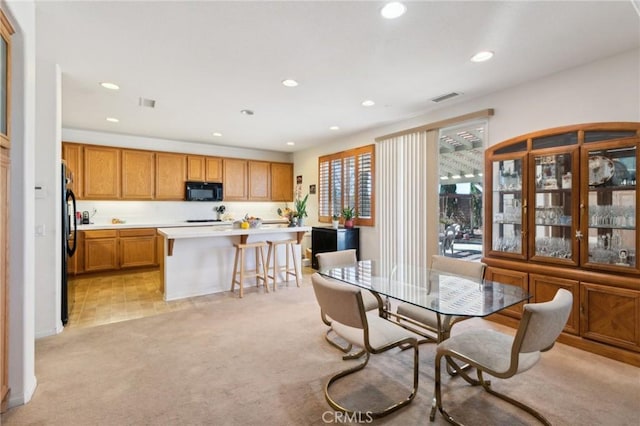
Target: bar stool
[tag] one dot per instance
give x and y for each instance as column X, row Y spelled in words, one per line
column 260, row 273
column 289, row 254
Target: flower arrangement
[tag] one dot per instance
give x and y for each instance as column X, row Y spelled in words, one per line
column 301, row 206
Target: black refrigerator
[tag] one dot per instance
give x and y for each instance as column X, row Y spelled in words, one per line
column 69, row 228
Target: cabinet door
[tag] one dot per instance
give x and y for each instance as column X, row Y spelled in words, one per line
column 259, row 180
column 610, row 315
column 138, row 174
column 507, row 276
column 101, row 173
column 544, row 288
column 137, row 248
column 609, row 197
column 100, row 250
column 171, row 173
column 507, row 206
column 72, row 155
column 554, row 208
column 235, row 179
column 213, row 167
column 195, row 168
column 281, row 182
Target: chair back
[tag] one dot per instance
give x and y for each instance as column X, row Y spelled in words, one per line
column 542, row 323
column 336, row 259
column 458, row 266
column 341, row 302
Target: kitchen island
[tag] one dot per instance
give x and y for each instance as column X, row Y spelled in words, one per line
column 198, row 260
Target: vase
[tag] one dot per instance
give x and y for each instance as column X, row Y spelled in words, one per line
column 348, row 223
column 300, row 222
column 335, row 224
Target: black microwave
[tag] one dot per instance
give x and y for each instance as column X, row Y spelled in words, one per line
column 203, row 191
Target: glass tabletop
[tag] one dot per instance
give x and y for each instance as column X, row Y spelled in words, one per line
column 441, row 292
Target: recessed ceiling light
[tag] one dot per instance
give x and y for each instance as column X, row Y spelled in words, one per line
column 393, row 10
column 469, row 175
column 110, row 86
column 485, row 55
column 456, row 177
column 112, row 120
column 444, row 177
column 291, row 143
column 246, row 112
column 334, row 128
column 217, row 134
column 289, row 83
column 368, row 103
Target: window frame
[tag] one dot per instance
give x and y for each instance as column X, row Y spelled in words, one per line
column 328, row 191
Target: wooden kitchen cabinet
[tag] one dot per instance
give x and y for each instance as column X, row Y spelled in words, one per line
column 281, row 182
column 610, row 315
column 213, row 169
column 259, row 180
column 101, row 171
column 171, row 174
column 137, row 247
column 72, row 155
column 196, row 168
column 138, row 171
column 100, row 250
column 235, row 180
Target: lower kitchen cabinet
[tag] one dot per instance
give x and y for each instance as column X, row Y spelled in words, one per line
column 137, row 248
column 110, row 250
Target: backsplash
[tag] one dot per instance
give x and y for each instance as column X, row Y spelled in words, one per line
column 148, row 212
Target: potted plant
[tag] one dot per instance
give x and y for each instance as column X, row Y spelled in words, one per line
column 301, row 208
column 335, row 220
column 349, row 214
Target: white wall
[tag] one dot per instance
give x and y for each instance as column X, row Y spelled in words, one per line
column 605, row 90
column 22, row 380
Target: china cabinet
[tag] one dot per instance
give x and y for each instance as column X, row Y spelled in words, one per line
column 560, row 212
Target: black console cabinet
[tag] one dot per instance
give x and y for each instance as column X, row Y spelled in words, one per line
column 325, row 239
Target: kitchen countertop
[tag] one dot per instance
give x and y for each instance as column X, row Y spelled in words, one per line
column 168, row 224
column 174, row 233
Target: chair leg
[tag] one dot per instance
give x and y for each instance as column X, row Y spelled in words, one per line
column 437, row 398
column 241, row 283
column 235, row 270
column 386, row 411
column 295, row 265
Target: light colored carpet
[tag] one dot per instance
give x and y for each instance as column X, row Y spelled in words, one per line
column 262, row 360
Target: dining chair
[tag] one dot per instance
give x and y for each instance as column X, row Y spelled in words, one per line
column 337, row 259
column 419, row 319
column 502, row 355
column 375, row 334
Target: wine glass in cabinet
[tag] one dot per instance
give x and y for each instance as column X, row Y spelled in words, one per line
column 507, row 208
column 553, row 218
column 609, row 200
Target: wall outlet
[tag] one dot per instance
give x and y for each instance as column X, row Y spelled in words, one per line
column 40, row 230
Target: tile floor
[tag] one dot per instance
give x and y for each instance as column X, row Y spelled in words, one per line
column 104, row 299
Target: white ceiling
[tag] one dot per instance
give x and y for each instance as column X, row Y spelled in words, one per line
column 203, row 62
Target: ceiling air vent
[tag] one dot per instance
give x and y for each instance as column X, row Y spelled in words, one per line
column 445, row 97
column 146, row 103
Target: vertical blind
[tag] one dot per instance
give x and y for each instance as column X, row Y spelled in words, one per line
column 405, row 197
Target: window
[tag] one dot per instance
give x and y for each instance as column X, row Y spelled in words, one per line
column 346, row 179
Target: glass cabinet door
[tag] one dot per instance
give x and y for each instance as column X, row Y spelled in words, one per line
column 507, row 204
column 553, row 208
column 610, row 236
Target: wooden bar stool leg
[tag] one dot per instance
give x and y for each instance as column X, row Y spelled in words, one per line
column 235, row 270
column 269, row 254
column 241, row 272
column 265, row 267
column 295, row 264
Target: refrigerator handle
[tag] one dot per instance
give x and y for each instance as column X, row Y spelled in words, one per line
column 72, row 250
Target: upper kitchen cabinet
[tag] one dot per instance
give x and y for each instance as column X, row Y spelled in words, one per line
column 171, row 174
column 101, row 173
column 195, row 168
column 72, row 155
column 235, row 179
column 138, row 171
column 6, row 30
column 213, row 169
column 281, row 182
column 259, row 180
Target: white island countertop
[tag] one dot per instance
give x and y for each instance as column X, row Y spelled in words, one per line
column 167, row 224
